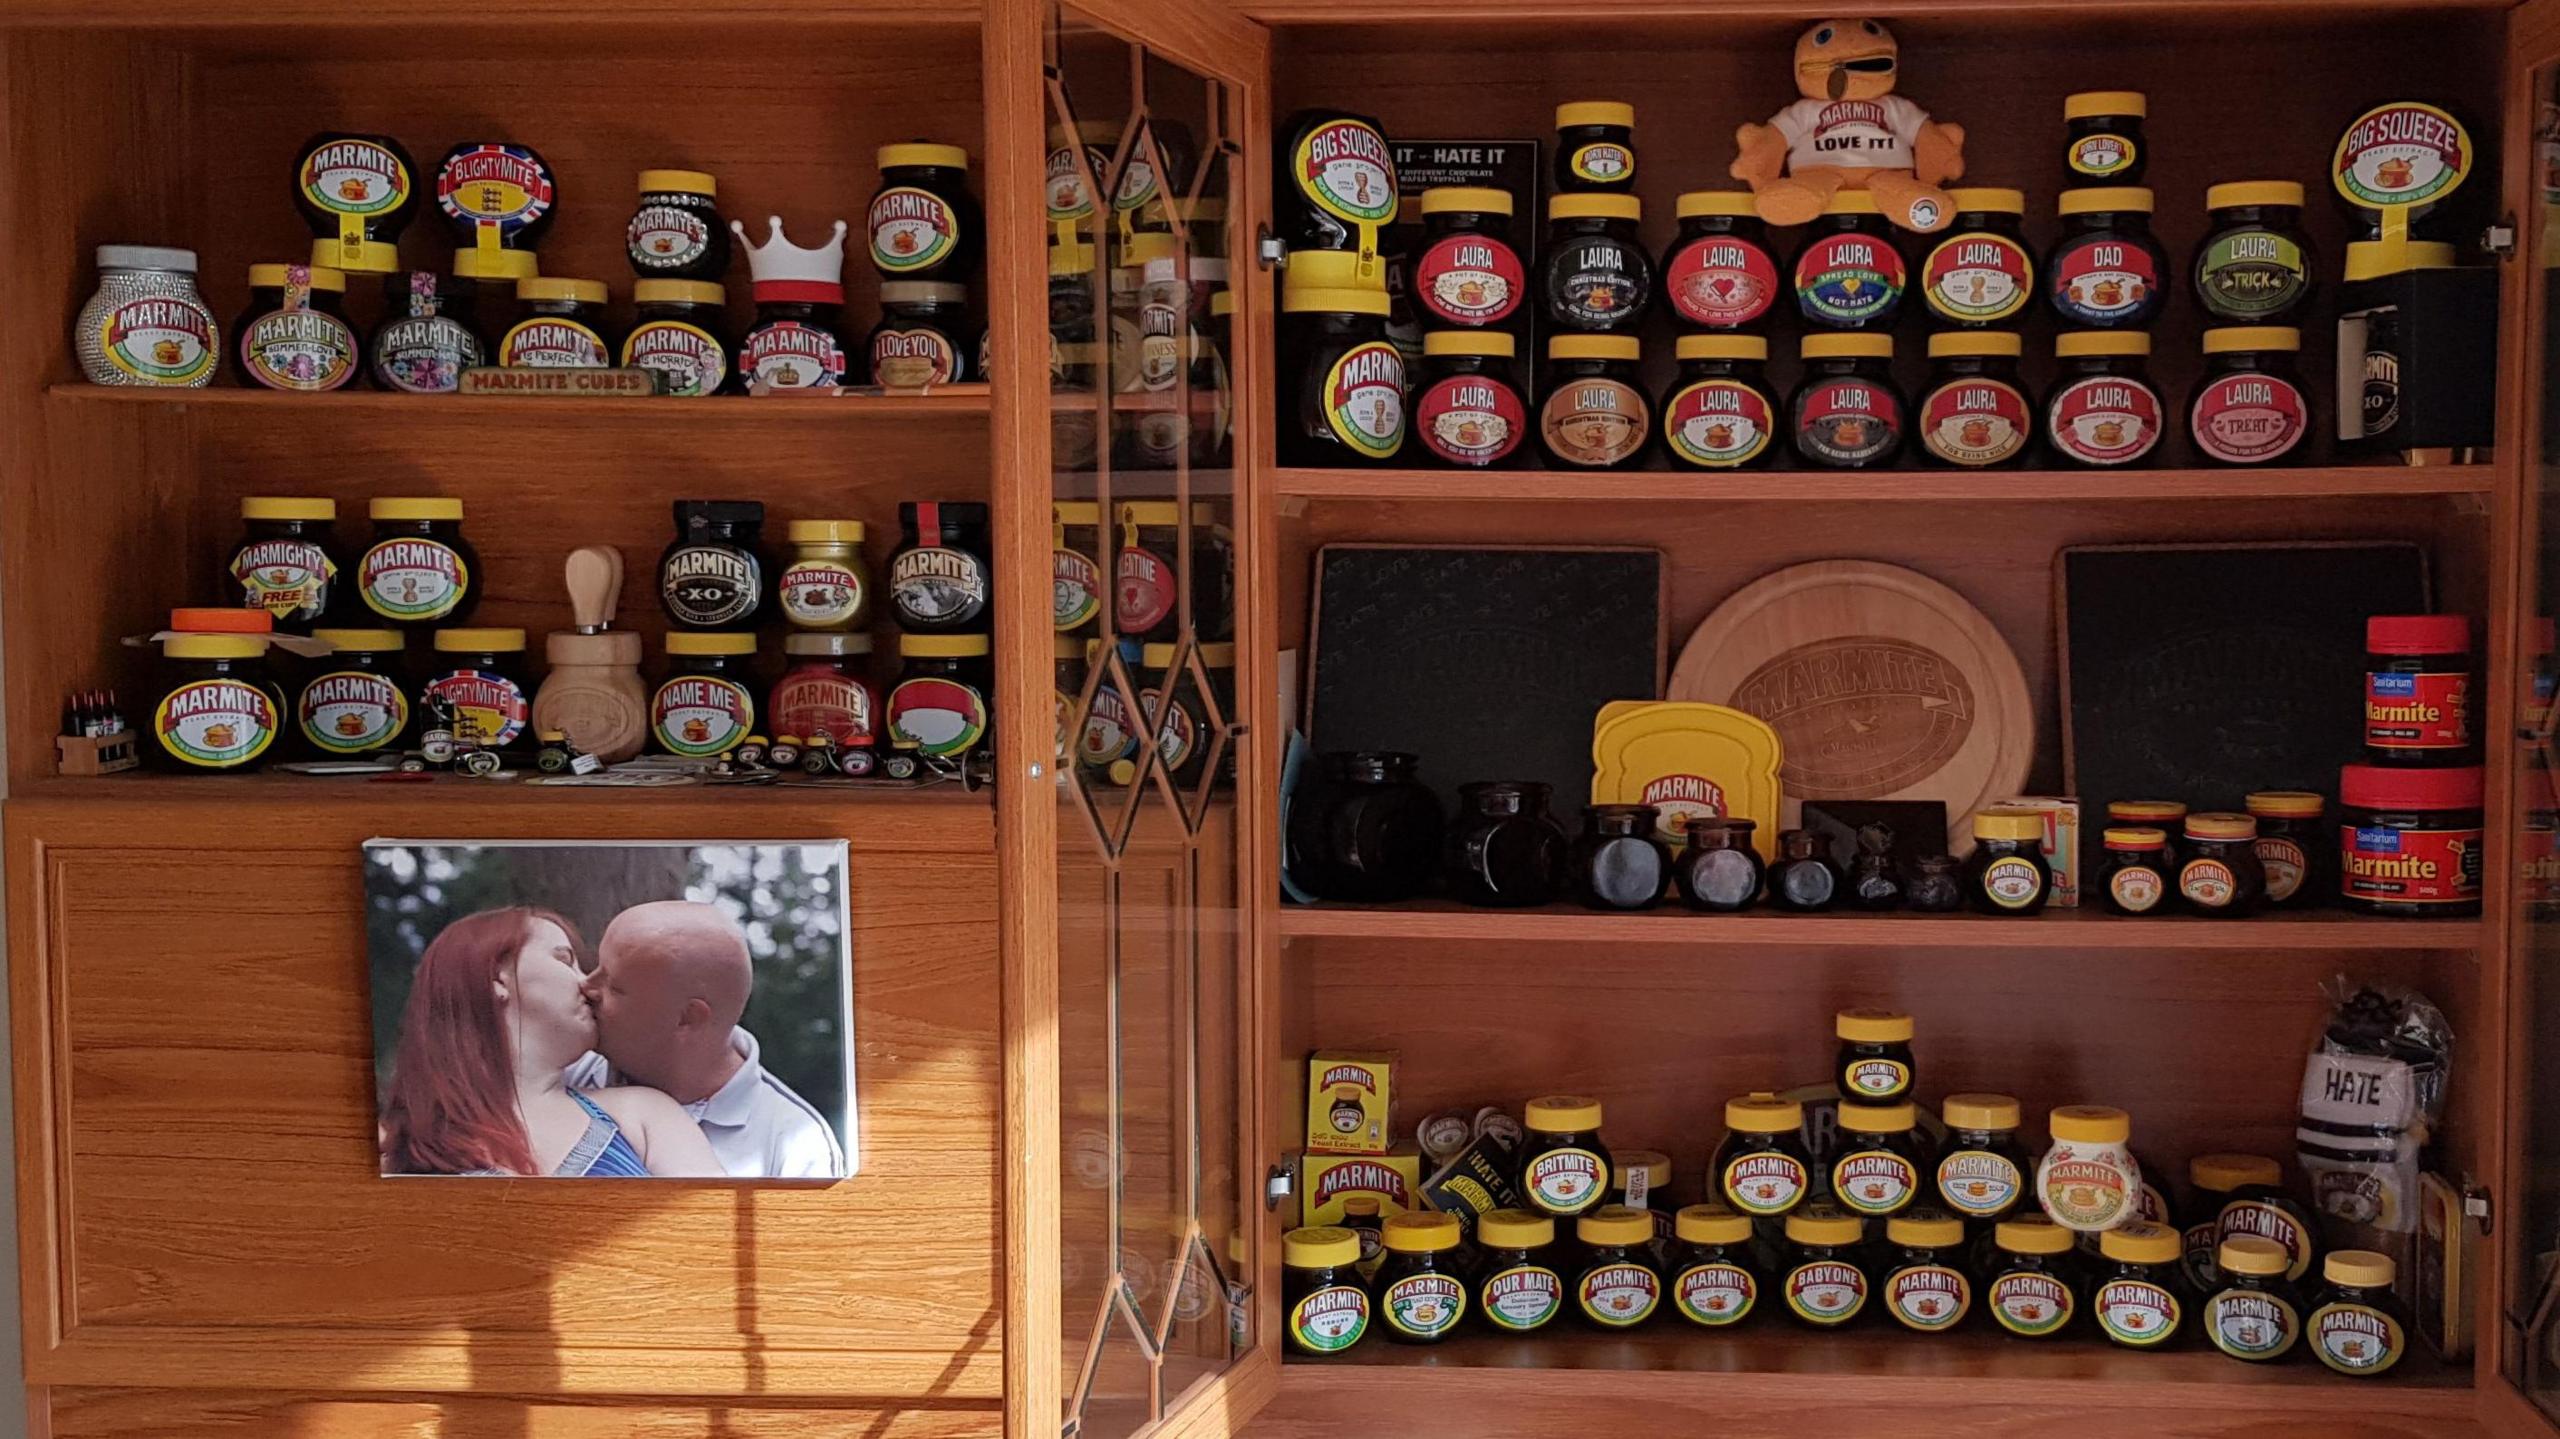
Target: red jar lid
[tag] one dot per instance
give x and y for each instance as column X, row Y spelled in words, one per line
column 2418, row 634
column 210, row 621
column 2373, row 786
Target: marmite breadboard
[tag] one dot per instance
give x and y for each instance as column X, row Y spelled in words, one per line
column 1882, row 684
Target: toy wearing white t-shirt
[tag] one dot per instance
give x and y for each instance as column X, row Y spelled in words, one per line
column 1850, row 131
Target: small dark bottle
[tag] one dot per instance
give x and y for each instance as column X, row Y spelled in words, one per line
column 2135, row 1298
column 1328, row 1308
column 1937, row 884
column 1620, row 1283
column 1595, row 146
column 1417, row 1292
column 1505, row 849
column 1804, row 881
column 2007, row 873
column 2035, row 1284
column 2361, row 1328
column 2222, row 876
column 1874, row 884
column 1620, row 861
column 1925, row 1286
column 1368, row 832
column 2136, row 874
column 2256, row 1313
column 1720, row 871
column 1715, row 1278
column 1360, row 1215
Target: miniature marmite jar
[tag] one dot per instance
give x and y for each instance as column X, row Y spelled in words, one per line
column 1850, row 274
column 286, row 562
column 707, row 704
column 942, row 706
column 1595, row 147
column 924, row 224
column 677, row 333
column 1594, row 415
column 2034, row 1287
column 562, row 328
column 1826, row 1284
column 1925, row 1287
column 1469, row 413
column 1620, row 1283
column 2102, row 412
column 1417, row 1293
column 2293, row 846
column 2255, row 265
column 2254, row 1202
column 357, row 193
column 1978, row 273
column 1873, row 1065
column 676, row 233
column 352, row 706
column 918, row 342
column 1350, row 381
column 2220, row 874
column 1982, row 1169
column 2107, row 272
column 1328, row 1307
column 2135, row 1295
column 938, row 579
column 1564, row 1166
column 219, row 710
column 420, row 572
column 1719, row 413
column 1762, row 1168
column 2007, row 872
column 2138, row 873
column 2255, row 1314
column 429, row 333
column 2250, row 408
column 1880, row 1160
column 710, row 576
column 1341, row 190
column 1596, row 276
column 1519, row 1290
column 499, row 198
column 2360, row 1328
column 1846, row 413
column 476, row 690
column 825, row 585
column 1975, row 413
column 2105, row 144
column 1720, row 273
column 294, row 336
column 1715, row 1276
column 1469, row 273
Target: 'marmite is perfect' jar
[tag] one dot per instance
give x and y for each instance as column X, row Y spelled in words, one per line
column 2409, row 840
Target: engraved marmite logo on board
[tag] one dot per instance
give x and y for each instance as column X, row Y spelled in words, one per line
column 1861, row 715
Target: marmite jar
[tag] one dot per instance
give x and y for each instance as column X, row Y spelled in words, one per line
column 2103, row 412
column 1339, row 192
column 357, row 193
column 1873, row 1065
column 2294, row 847
column 429, row 333
column 677, row 335
column 707, row 704
column 1564, row 1166
column 2007, row 874
column 2105, row 145
column 938, row 579
column 676, row 233
column 710, row 576
column 1139, row 201
column 1417, row 1292
column 219, row 710
column 2220, row 875
column 1360, row 1215
column 917, row 343
column 1924, row 1284
column 1762, row 1168
column 1520, row 1290
column 1720, row 273
column 2034, row 1286
column 2360, row 1328
column 2211, row 1181
column 1320, row 1287
column 1719, row 413
column 2250, row 407
column 2135, row 1295
column 1620, row 1283
column 294, row 336
column 825, row 585
column 2138, row 872
column 1146, row 569
column 476, row 691
column 1350, row 381
column 2255, row 1203
column 562, row 328
column 1596, row 276
column 1593, row 415
column 1715, row 1277
column 499, row 198
column 1976, row 413
column 2254, row 267
column 1846, row 413
column 1469, row 273
column 1880, row 1160
column 1826, row 1283
column 825, row 691
column 1982, row 1169
column 2255, row 1313
column 1469, row 414
column 287, row 562
column 352, row 705
column 1596, row 147
column 2169, row 816
column 1978, row 273
column 1640, row 1179
column 1170, row 699
column 1850, row 274
column 943, row 703
column 2106, row 272
column 1077, row 590
column 420, row 572
column 924, row 225
column 797, row 340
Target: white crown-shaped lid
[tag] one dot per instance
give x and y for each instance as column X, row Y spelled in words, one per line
column 780, row 260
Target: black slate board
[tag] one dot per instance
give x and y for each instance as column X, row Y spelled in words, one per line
column 2200, row 673
column 1488, row 663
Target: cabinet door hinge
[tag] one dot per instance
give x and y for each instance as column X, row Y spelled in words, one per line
column 2475, row 1204
column 1276, row 1186
column 1267, row 247
column 2500, row 238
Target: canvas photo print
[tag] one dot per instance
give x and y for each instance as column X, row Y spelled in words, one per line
column 612, row 1010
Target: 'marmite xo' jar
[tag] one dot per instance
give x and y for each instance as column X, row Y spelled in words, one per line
column 1719, row 413
column 1350, row 381
column 2105, row 145
column 1850, row 275
column 1597, row 275
column 1979, row 273
column 2254, row 268
column 2105, row 272
column 1975, row 413
column 1469, row 413
column 2293, row 845
column 2250, row 407
column 1593, row 416
column 1720, row 273
column 1846, row 413
column 2103, row 411
column 2417, row 690
column 2410, row 840
column 1762, row 1168
column 1469, row 274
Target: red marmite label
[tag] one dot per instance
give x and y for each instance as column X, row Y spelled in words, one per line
column 2103, row 282
column 1874, row 1181
column 2284, row 862
column 1974, row 422
column 2207, row 883
column 911, row 230
column 548, row 342
column 283, row 577
column 2249, row 419
column 687, row 359
column 1720, row 282
column 1977, row 278
column 821, row 699
column 351, row 711
column 1847, row 421
column 788, row 355
column 1470, row 420
column 1075, row 589
column 1764, row 1182
column 1928, row 1297
column 1827, row 1291
column 354, row 177
column 1110, row 731
column 216, row 724
column 912, row 359
column 500, row 187
column 1469, row 280
column 701, row 715
column 1620, row 1295
column 2410, row 866
column 1364, row 398
column 1178, row 735
column 936, row 717
column 1849, row 279
column 159, row 340
column 2417, row 712
column 2104, row 420
column 1680, row 798
column 1595, row 421
column 489, row 710
column 1717, row 424
column 1144, row 596
column 1715, row 1294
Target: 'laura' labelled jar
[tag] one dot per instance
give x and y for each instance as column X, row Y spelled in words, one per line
column 500, row 199
column 1620, row 861
column 938, row 579
column 676, row 233
column 1597, row 276
column 2417, row 691
column 2103, row 412
column 2104, row 144
column 2088, row 1180
column 2138, row 872
column 2410, row 840
column 2250, row 407
column 294, row 336
column 710, row 576
column 287, row 560
column 1504, row 850
column 1846, row 413
column 2135, row 1296
column 2360, row 1328
column 1416, row 1292
column 419, row 573
column 1715, row 1275
column 1762, row 1168
column 1469, row 414
column 2007, row 874
column 1925, row 1286
column 2034, row 1287
column 357, row 193
column 1564, row 1166
column 2256, row 1314
column 218, row 710
column 1873, row 1063
column 707, row 703
column 943, row 704
column 1520, row 1290
column 924, row 224
column 1366, row 831
column 1826, row 1282
column 1720, row 273
column 2106, row 272
column 352, row 706
column 145, row 324
column 917, row 343
column 1881, row 1158
column 2220, row 875
column 1982, row 1168
column 677, row 335
column 1620, row 1282
column 825, row 584
column 1594, row 415
column 562, row 328
column 825, row 691
column 1719, row 413
column 1979, row 273
column 476, row 690
column 2293, row 846
column 1720, row 871
column 1350, row 383
column 429, row 333
column 1976, row 413
column 1470, row 272
column 1596, row 147
column 1321, row 1288
column 1850, row 274
column 2254, row 267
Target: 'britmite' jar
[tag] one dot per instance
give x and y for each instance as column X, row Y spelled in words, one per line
column 2254, row 267
column 677, row 335
column 1873, row 1065
column 419, row 572
column 1846, row 413
column 2256, row 1314
column 2105, row 145
column 1982, row 1168
column 476, row 690
column 710, row 575
column 1350, row 381
column 2137, row 873
column 1979, row 273
column 294, row 336
column 824, row 691
column 2103, row 412
column 1975, row 414
column 1593, row 416
column 1925, row 1288
column 1850, row 274
column 2293, row 846
column 924, row 225
column 357, row 193
column 287, row 562
column 677, row 233
column 938, row 576
column 2221, row 875
column 146, row 325
column 1564, row 1167
column 918, row 340
column 1882, row 1155
column 1597, row 275
column 943, row 703
column 1520, row 1290
column 1596, row 146
column 1762, row 1168
column 1720, row 273
column 429, row 334
column 2410, row 840
column 500, row 199
column 2007, row 872
column 1715, row 1276
column 562, row 328
column 352, row 706
column 2106, row 272
column 1826, row 1284
column 705, row 706
column 2250, row 407
column 1320, row 1287
column 2361, row 1328
column 2135, row 1297
column 1469, row 273
column 825, row 585
column 2417, row 690
column 1719, row 413
column 1416, row 1291
column 2035, row 1278
column 219, row 710
column 1620, row 1283
column 1469, row 413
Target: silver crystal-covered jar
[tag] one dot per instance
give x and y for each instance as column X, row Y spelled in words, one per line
column 146, row 325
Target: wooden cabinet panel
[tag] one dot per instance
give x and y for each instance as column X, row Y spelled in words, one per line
column 133, row 1413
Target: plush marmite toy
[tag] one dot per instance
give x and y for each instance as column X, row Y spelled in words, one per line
column 1850, row 131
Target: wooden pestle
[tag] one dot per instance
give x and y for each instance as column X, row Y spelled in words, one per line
column 593, row 694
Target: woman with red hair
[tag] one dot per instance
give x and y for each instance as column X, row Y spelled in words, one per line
column 498, row 1010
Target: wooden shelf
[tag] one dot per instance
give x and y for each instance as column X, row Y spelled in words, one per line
column 948, row 402
column 272, row 788
column 1944, row 486
column 2054, row 929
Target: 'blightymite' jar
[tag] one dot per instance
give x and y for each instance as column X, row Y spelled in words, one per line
column 2103, row 412
column 1520, row 1291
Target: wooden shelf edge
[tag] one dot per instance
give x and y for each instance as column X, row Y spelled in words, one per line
column 949, row 401
column 1942, row 12
column 2055, row 929
column 1942, row 486
column 253, row 790
column 208, row 15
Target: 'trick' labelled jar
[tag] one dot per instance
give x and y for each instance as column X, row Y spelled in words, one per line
column 1505, row 850
column 1367, row 832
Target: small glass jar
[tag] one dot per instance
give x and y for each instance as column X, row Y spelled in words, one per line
column 1850, row 274
column 2007, row 873
column 2417, row 691
column 1146, row 594
column 1925, row 1286
column 1328, row 1307
column 1826, row 1283
column 924, row 224
column 825, row 584
column 1982, row 1168
column 2134, row 1296
column 676, row 232
column 1417, row 1293
column 1596, row 147
column 1564, row 1165
column 1469, row 413
column 1875, row 881
column 1620, row 862
column 294, row 335
column 677, row 335
column 352, row 705
column 1520, row 1290
column 146, row 325
column 919, row 342
column 2105, row 145
column 2088, row 1180
column 2360, row 1328
column 711, row 575
column 2107, row 272
column 938, row 576
column 2250, row 408
column 2211, row 1181
column 1877, row 1168
column 1719, row 413
column 218, row 710
column 707, row 704
column 1715, row 1277
column 1762, row 1168
column 944, row 702
column 825, row 690
column 1596, row 275
column 1349, row 384
column 1360, row 1215
column 2293, row 846
column 1504, row 850
column 2219, row 875
column 2136, row 875
column 1469, row 273
column 476, row 691
column 1805, row 880
column 1594, row 414
column 499, row 199
column 2254, row 267
column 797, row 340
column 1873, row 1063
column 1976, row 413
column 1979, row 273
column 419, row 573
column 1640, row 1179
column 1720, row 273
column 1620, row 1283
column 287, row 560
column 2034, row 1286
column 1720, row 871
column 2255, row 1313
column 1846, row 413
column 2103, row 413
column 1937, row 884
column 562, row 328
column 1367, row 831
column 357, row 193
column 429, row 333
column 2256, row 1203
column 1077, row 589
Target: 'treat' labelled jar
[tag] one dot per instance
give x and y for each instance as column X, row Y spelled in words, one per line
column 1762, row 1167
column 1596, row 146
column 2254, row 267
column 1504, row 849
column 2409, row 840
column 419, row 573
column 1979, row 273
column 294, row 336
column 1720, row 273
column 2250, row 408
column 677, row 233
column 146, row 325
column 429, row 334
column 1846, row 413
column 1976, row 413
column 677, row 335
column 1469, row 272
column 2293, row 846
column 1564, row 1166
column 562, row 328
column 1873, row 1064
column 357, row 193
column 1982, row 1168
column 1349, row 381
column 924, row 224
column 1469, row 413
column 1368, row 831
column 286, row 562
column 2103, row 412
column 1719, row 413
column 1597, row 276
column 2417, row 691
column 1593, row 415
column 2106, row 272
column 1850, row 274
column 2105, row 145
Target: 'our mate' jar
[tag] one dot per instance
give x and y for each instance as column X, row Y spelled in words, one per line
column 2417, row 690
column 2409, row 840
column 1519, row 1290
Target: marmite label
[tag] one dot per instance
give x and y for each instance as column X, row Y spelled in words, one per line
column 1720, row 282
column 1160, row 347
column 289, row 579
column 2137, row 889
column 2400, row 155
column 159, row 340
column 1469, row 280
column 1974, row 422
column 936, row 717
column 1928, row 1297
column 351, row 711
column 1826, row 1291
column 1849, row 279
column 820, row 699
column 301, row 350
column 821, row 594
column 1364, row 399
column 2251, row 1324
column 2102, row 282
column 1110, row 731
column 494, row 187
column 1765, row 1183
column 1143, row 596
column 2083, row 1194
column 490, row 709
column 1874, row 1079
column 1330, row 1320
column 1715, row 1294
column 1178, row 736
column 1619, row 1295
column 1523, row 1297
column 1138, row 183
column 2251, row 275
column 424, row 354
column 1075, row 589
column 1069, row 196
column 701, row 715
column 216, row 724
column 412, row 579
column 2030, row 1302
column 1977, row 278
column 1470, row 420
column 707, row 586
column 2249, row 419
column 1594, row 421
column 2012, row 883
column 1596, row 282
column 2410, row 866
column 1874, row 1181
column 1343, row 168
column 2101, row 157
column 687, row 359
column 913, row 359
column 1979, row 1184
column 1424, row 1306
column 1718, row 424
column 354, row 177
column 549, row 342
column 2356, row 1338
column 666, row 237
column 1565, row 1182
column 2381, row 404
column 2136, row 1312
column 2104, row 420
column 788, row 355
column 2207, row 883
column 2417, row 712
column 1847, row 421
column 1604, row 162
column 911, row 229
column 2262, row 1220
column 933, row 586
column 2201, row 1243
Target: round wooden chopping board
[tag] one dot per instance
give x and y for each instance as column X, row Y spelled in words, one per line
column 1881, row 683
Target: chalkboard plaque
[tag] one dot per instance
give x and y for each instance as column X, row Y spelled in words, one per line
column 2200, row 673
column 1488, row 663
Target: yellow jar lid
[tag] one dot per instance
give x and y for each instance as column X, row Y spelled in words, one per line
column 273, row 277
column 1715, row 202
column 476, row 264
column 676, row 292
column 2082, row 344
column 828, row 532
column 1721, row 347
column 1975, row 342
column 2221, row 826
column 1465, row 199
column 2135, row 837
column 1595, row 347
column 541, row 288
column 1065, row 647
column 2223, row 1173
column 1151, row 513
column 1562, row 1114
column 688, row 182
column 2234, row 339
column 1595, row 207
column 2367, row 259
column 683, row 643
column 2169, row 810
column 1872, row 1026
column 1819, row 1223
column 1711, row 1224
column 1329, row 270
column 1614, row 1224
column 2249, row 1254
column 2032, row 1236
column 2359, row 1269
column 2090, row 1124
column 362, row 641
column 1852, row 202
column 1988, row 200
column 213, row 647
column 1924, row 1229
column 1653, row 1164
column 1222, row 303
column 2286, row 804
column 1149, row 245
column 1155, row 657
column 1073, row 258
column 286, row 507
column 1515, row 1229
column 1763, row 1113
column 2141, row 1242
column 1320, row 1247
column 1076, row 512
column 2105, row 199
column 2253, row 192
column 1219, row 655
column 2016, row 824
column 1297, row 300
column 476, row 641
column 1878, row 1118
column 1846, row 347
column 1594, row 112
column 942, row 647
column 1492, row 343
column 949, row 157
column 368, row 257
column 1979, row 1111
column 2090, row 104
column 415, row 509
column 1419, row 1231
